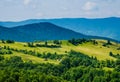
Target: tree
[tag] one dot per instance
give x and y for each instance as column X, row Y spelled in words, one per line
column 118, row 62
column 95, row 42
column 111, row 54
column 3, row 41
column 108, row 42
column 56, row 42
column 99, row 79
column 10, row 41
column 30, row 44
column 46, row 43
column 66, row 62
column 1, row 58
column 117, row 68
column 10, row 79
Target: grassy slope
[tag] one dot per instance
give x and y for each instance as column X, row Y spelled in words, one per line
column 34, row 59
column 102, row 53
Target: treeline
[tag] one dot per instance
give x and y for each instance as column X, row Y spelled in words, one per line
column 75, row 67
column 115, row 55
column 55, row 44
column 94, row 42
column 80, row 41
column 7, row 41
column 44, row 55
column 4, row 51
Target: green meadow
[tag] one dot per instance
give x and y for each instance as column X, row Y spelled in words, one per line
column 99, row 51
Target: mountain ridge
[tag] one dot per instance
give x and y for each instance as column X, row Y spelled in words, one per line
column 42, row 31
column 38, row 31
column 104, row 27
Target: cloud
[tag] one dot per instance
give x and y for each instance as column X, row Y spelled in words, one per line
column 90, row 6
column 26, row 2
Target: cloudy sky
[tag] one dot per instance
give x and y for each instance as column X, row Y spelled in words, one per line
column 16, row 10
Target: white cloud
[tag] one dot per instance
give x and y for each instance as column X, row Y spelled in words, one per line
column 89, row 6
column 26, row 2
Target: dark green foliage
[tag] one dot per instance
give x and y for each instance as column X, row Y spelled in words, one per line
column 30, row 44
column 118, row 48
column 115, row 55
column 1, row 58
column 107, row 44
column 57, row 42
column 73, row 67
column 10, row 41
column 53, row 56
column 94, row 42
column 48, row 46
column 80, row 41
column 117, row 68
column 4, row 51
column 46, row 43
column 3, row 41
column 111, row 54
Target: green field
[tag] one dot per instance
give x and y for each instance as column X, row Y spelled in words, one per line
column 88, row 48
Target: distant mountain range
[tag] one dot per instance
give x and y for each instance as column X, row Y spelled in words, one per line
column 104, row 27
column 41, row 31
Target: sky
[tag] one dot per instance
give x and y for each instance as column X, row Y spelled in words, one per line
column 17, row 10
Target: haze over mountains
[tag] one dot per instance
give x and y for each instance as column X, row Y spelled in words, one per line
column 104, row 27
column 38, row 31
column 41, row 31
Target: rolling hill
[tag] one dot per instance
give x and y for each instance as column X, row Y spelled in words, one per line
column 20, row 60
column 88, row 48
column 104, row 27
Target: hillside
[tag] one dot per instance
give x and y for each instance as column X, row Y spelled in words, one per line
column 104, row 27
column 60, row 61
column 98, row 50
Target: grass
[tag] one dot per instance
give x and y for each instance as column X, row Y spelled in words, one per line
column 108, row 69
column 34, row 59
column 99, row 51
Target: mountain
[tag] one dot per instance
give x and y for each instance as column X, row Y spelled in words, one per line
column 11, row 34
column 104, row 27
column 41, row 31
column 38, row 31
